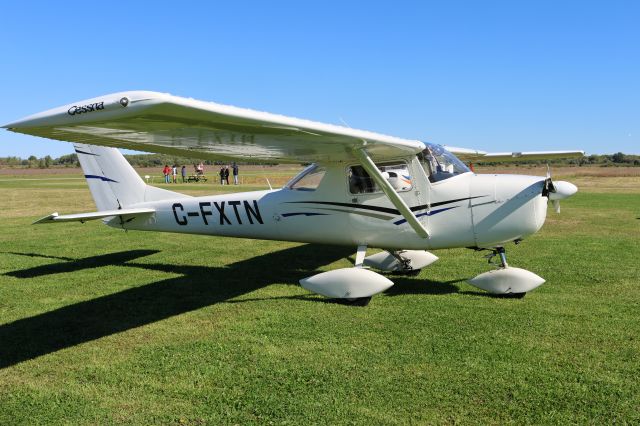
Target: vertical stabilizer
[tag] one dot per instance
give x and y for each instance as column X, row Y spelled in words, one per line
column 113, row 183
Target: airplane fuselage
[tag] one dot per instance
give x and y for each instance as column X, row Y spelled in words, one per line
column 468, row 210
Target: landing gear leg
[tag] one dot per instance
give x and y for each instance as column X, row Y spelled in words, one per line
column 360, row 255
column 498, row 251
column 405, row 265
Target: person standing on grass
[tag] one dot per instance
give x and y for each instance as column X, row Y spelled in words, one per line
column 235, row 173
column 221, row 173
column 174, row 172
column 184, row 174
column 226, row 174
column 166, row 172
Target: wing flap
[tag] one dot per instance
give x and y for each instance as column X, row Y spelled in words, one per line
column 83, row 217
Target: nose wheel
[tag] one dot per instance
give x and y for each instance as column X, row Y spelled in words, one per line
column 505, row 280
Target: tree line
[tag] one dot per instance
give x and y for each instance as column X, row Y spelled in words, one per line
column 136, row 160
column 158, row 160
column 604, row 160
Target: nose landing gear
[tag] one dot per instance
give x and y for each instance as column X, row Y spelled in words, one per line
column 498, row 251
column 506, row 280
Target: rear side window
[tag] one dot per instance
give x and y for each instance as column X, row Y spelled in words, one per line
column 308, row 180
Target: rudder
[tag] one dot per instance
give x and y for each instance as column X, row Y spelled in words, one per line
column 113, row 183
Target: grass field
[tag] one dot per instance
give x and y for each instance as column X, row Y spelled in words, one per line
column 102, row 326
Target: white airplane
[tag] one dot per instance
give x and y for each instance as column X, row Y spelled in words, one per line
column 362, row 189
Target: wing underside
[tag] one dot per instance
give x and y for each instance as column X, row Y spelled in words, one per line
column 156, row 122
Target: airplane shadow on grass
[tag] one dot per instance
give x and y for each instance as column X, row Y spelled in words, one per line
column 195, row 288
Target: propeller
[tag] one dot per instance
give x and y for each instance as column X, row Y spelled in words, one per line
column 548, row 184
column 557, row 191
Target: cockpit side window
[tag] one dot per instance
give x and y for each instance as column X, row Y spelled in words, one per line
column 307, row 180
column 440, row 164
column 397, row 173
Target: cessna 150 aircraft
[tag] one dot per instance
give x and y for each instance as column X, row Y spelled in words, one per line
column 362, row 189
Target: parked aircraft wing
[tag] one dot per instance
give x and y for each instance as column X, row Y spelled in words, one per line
column 83, row 217
column 158, row 122
column 470, row 155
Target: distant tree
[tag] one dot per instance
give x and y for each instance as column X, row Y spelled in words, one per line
column 618, row 157
column 69, row 160
column 33, row 161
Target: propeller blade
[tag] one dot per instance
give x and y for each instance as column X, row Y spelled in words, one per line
column 557, row 191
column 548, row 187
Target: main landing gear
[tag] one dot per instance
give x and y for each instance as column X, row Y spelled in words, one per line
column 506, row 280
column 400, row 262
column 352, row 285
column 356, row 285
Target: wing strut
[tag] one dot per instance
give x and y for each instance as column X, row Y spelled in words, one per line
column 393, row 196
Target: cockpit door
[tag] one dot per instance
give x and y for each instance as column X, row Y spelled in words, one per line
column 449, row 185
column 370, row 204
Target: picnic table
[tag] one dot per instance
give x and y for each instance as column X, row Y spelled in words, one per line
column 196, row 178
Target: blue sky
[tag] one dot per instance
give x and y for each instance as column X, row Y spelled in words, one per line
column 496, row 76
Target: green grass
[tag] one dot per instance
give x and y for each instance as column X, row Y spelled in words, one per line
column 102, row 326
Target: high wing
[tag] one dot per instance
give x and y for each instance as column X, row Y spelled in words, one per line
column 158, row 122
column 471, row 155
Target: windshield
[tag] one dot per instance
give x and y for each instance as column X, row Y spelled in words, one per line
column 440, row 164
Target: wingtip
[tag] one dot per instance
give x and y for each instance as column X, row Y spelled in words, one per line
column 48, row 218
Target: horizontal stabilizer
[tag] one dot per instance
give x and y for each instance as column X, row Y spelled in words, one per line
column 83, row 217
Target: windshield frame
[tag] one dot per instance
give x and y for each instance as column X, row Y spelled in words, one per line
column 439, row 164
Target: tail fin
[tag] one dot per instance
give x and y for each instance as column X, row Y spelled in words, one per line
column 113, row 183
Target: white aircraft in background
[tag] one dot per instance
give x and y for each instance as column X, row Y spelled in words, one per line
column 363, row 189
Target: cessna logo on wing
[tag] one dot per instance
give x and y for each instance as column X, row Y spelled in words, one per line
column 85, row 108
